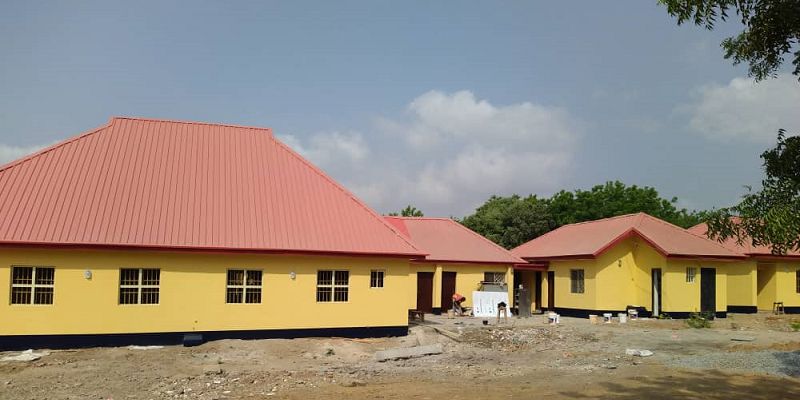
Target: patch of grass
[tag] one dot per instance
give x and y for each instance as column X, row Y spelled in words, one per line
column 699, row 320
column 795, row 326
column 664, row 316
column 329, row 352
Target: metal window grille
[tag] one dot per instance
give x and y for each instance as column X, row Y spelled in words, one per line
column 243, row 286
column 139, row 285
column 333, row 286
column 691, row 272
column 576, row 281
column 32, row 285
column 376, row 279
column 497, row 278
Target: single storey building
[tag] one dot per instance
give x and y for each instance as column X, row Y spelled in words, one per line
column 459, row 261
column 630, row 260
column 763, row 280
column 142, row 231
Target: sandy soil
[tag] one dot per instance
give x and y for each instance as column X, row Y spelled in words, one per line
column 524, row 358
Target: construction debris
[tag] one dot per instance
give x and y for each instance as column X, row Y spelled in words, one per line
column 448, row 334
column 27, row 355
column 639, row 353
column 408, row 352
column 134, row 347
column 743, row 339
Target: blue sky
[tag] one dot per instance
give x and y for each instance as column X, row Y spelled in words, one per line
column 437, row 104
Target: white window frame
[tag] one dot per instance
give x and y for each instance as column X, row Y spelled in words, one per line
column 139, row 286
column 333, row 286
column 245, row 286
column 373, row 283
column 577, row 286
column 691, row 274
column 33, row 285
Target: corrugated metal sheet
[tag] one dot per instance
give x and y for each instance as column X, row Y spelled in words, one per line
column 745, row 248
column 171, row 184
column 589, row 239
column 447, row 240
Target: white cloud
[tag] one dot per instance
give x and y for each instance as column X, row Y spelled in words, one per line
column 449, row 153
column 744, row 109
column 10, row 153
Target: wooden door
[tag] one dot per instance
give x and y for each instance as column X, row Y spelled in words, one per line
column 425, row 291
column 656, row 282
column 708, row 290
column 448, row 288
column 551, row 290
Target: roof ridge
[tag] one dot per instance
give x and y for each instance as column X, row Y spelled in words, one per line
column 659, row 220
column 346, row 192
column 177, row 121
column 55, row 146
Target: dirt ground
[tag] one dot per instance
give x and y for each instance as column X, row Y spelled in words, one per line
column 743, row 356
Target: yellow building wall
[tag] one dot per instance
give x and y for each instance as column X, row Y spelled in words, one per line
column 622, row 276
column 192, row 293
column 468, row 279
column 786, row 284
column 564, row 298
column 767, row 285
column 742, row 283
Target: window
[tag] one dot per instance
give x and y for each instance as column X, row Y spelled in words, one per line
column 376, row 279
column 32, row 285
column 332, row 286
column 576, row 280
column 139, row 285
column 690, row 274
column 243, row 286
column 497, row 278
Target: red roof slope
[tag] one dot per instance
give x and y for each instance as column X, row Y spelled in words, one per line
column 745, row 248
column 169, row 184
column 448, row 240
column 590, row 239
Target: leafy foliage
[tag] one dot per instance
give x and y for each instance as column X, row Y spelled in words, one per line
column 772, row 29
column 409, row 211
column 771, row 216
column 511, row 221
column 700, row 320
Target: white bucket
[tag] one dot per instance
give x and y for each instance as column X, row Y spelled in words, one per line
column 633, row 314
column 623, row 318
column 552, row 318
column 607, row 317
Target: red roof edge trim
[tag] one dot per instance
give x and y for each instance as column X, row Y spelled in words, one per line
column 558, row 258
column 204, row 250
column 532, row 267
column 708, row 258
column 772, row 257
column 430, row 261
column 348, row 193
column 55, row 146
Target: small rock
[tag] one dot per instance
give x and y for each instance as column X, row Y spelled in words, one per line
column 212, row 370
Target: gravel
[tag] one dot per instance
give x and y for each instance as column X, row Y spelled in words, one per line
column 785, row 363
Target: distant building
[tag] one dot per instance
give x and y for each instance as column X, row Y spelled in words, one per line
column 632, row 260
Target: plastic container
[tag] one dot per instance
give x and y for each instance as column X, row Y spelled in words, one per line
column 607, row 317
column 623, row 318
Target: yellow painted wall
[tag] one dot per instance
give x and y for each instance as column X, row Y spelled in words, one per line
column 564, row 298
column 767, row 284
column 742, row 283
column 786, row 284
column 621, row 276
column 468, row 279
column 192, row 293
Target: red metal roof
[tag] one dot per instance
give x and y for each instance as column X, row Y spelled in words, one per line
column 170, row 184
column 590, row 239
column 746, row 247
column 447, row 240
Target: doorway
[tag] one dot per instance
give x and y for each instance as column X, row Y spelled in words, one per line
column 708, row 290
column 656, row 280
column 448, row 288
column 551, row 290
column 425, row 291
column 538, row 290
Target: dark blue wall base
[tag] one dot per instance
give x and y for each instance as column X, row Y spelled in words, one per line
column 436, row 311
column 584, row 313
column 22, row 342
column 743, row 309
column 791, row 310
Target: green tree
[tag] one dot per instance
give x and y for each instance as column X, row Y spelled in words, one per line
column 409, row 211
column 510, row 221
column 615, row 198
column 771, row 30
column 770, row 216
